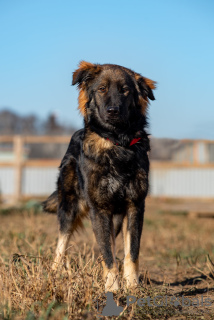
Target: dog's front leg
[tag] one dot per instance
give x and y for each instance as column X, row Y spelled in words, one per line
column 104, row 232
column 132, row 229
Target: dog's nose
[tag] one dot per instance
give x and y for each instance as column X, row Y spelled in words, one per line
column 113, row 111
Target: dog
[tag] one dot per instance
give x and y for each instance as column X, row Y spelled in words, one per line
column 104, row 173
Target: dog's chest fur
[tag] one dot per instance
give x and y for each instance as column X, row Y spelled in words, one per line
column 113, row 174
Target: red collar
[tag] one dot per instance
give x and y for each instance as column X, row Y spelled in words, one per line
column 135, row 140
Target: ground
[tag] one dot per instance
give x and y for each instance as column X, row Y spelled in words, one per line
column 177, row 250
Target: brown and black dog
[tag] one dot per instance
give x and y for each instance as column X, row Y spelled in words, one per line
column 104, row 172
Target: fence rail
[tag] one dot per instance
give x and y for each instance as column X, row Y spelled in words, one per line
column 21, row 178
column 16, row 184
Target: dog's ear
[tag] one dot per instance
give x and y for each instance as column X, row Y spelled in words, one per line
column 85, row 72
column 145, row 87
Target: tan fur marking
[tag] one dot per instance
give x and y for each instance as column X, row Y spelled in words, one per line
column 150, row 83
column 130, row 267
column 131, row 271
column 83, row 213
column 61, row 249
column 78, row 224
column 82, row 100
column 83, row 65
column 83, row 208
column 113, row 242
column 126, row 236
column 144, row 100
column 144, row 104
column 111, row 275
column 51, row 205
column 94, row 144
column 63, row 239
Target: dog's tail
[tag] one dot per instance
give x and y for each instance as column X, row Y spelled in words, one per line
column 50, row 205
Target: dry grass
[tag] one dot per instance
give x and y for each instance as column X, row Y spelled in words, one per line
column 173, row 262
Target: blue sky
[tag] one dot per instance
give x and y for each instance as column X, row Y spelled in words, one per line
column 171, row 42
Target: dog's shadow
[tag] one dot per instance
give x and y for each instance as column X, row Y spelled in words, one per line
column 187, row 282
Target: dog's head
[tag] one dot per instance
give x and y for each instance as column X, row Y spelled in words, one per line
column 111, row 94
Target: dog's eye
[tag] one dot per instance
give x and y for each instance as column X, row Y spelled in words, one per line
column 102, row 89
column 125, row 89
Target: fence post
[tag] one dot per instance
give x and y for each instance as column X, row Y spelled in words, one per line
column 18, row 159
column 195, row 152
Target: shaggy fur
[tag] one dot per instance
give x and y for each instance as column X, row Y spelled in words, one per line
column 104, row 172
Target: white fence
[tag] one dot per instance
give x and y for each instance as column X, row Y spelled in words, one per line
column 24, row 178
column 179, row 181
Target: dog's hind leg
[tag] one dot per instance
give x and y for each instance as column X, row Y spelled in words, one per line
column 118, row 222
column 69, row 221
column 105, row 235
column 66, row 227
column 70, row 207
column 132, row 229
column 113, row 236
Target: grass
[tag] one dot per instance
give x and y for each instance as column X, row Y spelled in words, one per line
column 173, row 262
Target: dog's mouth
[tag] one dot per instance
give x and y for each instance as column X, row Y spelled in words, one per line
column 113, row 120
column 117, row 121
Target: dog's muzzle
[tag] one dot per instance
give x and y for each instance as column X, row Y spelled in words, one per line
column 113, row 112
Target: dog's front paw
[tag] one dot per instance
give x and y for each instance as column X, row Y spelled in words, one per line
column 111, row 279
column 132, row 280
column 54, row 267
column 112, row 283
column 131, row 273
